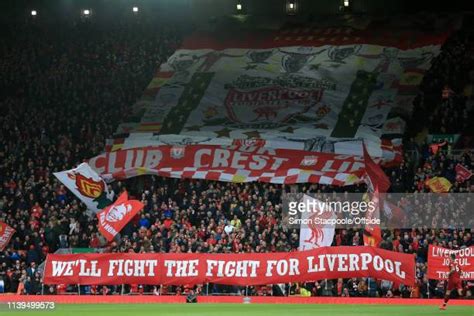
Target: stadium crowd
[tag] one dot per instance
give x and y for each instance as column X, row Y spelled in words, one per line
column 446, row 90
column 64, row 90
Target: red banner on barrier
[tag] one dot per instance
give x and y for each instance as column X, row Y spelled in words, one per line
column 233, row 269
column 438, row 262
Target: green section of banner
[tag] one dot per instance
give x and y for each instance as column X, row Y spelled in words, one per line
column 355, row 105
column 437, row 138
column 83, row 250
column 189, row 100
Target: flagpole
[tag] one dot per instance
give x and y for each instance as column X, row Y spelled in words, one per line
column 42, row 275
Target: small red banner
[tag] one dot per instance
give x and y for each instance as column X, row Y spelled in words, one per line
column 439, row 260
column 6, row 233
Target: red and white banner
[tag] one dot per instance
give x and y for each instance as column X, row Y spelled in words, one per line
column 233, row 269
column 244, row 163
column 375, row 176
column 313, row 235
column 114, row 217
column 6, row 233
column 439, row 258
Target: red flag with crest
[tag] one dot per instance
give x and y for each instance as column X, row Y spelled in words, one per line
column 462, row 173
column 114, row 217
column 6, row 233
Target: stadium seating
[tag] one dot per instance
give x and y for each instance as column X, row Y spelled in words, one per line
column 65, row 89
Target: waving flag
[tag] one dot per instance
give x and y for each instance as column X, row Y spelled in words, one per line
column 462, row 173
column 376, row 180
column 6, row 233
column 87, row 185
column 113, row 218
column 375, row 176
column 315, row 235
column 439, row 184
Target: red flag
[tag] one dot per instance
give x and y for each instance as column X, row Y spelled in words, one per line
column 6, row 233
column 372, row 232
column 435, row 147
column 114, row 217
column 374, row 174
column 376, row 180
column 462, row 173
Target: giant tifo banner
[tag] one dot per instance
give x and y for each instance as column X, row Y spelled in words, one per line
column 231, row 164
column 233, row 269
column 439, row 258
column 314, row 89
column 309, row 89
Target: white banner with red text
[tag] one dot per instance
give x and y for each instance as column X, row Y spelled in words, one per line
column 233, row 269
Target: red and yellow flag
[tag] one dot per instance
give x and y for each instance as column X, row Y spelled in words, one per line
column 439, row 184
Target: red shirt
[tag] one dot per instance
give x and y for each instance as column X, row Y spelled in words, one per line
column 36, row 211
column 212, row 241
column 167, row 223
column 395, row 244
column 455, row 271
column 94, row 242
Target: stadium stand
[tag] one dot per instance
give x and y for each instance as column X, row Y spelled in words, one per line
column 50, row 84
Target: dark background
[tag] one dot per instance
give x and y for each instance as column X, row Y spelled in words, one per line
column 205, row 9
